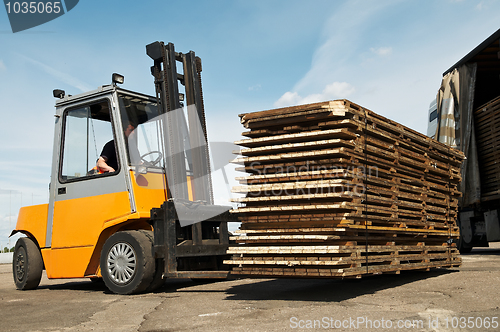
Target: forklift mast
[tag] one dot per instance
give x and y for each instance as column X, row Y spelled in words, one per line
column 191, row 237
column 170, row 102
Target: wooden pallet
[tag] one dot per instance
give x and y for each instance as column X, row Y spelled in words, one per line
column 335, row 190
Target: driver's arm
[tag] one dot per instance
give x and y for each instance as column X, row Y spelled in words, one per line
column 101, row 163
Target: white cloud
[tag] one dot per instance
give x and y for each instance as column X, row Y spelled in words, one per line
column 64, row 77
column 331, row 91
column 255, row 87
column 288, row 98
column 342, row 43
column 382, row 51
column 2, row 66
column 338, row 90
column 480, row 6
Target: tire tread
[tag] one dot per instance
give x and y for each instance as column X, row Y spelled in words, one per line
column 33, row 265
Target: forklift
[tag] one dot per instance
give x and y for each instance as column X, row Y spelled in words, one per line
column 153, row 217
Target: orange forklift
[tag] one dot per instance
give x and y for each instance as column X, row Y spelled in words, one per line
column 150, row 219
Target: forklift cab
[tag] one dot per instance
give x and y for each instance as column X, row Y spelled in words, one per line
column 84, row 201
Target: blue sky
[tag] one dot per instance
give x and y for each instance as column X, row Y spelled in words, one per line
column 387, row 56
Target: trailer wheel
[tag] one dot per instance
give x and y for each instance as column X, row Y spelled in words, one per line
column 27, row 264
column 463, row 247
column 127, row 263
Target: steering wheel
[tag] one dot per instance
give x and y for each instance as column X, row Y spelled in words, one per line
column 154, row 162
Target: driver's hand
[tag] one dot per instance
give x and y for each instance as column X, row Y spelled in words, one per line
column 108, row 169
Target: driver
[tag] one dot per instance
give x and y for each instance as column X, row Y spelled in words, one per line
column 108, row 161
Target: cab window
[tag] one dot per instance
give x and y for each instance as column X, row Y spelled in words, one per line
column 433, row 115
column 144, row 142
column 87, row 130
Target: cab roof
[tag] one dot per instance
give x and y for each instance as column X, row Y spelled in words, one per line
column 102, row 90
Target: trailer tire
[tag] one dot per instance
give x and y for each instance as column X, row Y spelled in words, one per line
column 27, row 264
column 463, row 247
column 127, row 262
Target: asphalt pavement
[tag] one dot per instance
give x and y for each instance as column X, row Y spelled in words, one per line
column 462, row 299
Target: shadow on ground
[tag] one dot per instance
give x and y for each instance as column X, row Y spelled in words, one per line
column 77, row 286
column 324, row 290
column 278, row 289
column 483, row 251
column 171, row 285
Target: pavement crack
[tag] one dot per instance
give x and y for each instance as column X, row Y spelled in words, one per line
column 124, row 314
column 148, row 314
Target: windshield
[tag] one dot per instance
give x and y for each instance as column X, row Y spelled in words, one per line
column 142, row 129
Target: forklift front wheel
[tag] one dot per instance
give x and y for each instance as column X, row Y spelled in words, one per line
column 27, row 264
column 127, row 263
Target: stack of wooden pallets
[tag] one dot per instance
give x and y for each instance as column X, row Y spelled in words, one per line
column 487, row 124
column 335, row 190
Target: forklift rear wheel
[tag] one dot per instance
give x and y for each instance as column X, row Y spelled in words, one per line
column 127, row 263
column 27, row 264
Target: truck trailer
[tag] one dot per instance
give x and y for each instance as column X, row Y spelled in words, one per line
column 466, row 116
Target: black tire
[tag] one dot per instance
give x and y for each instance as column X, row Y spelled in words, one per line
column 158, row 280
column 463, row 247
column 127, row 263
column 27, row 264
